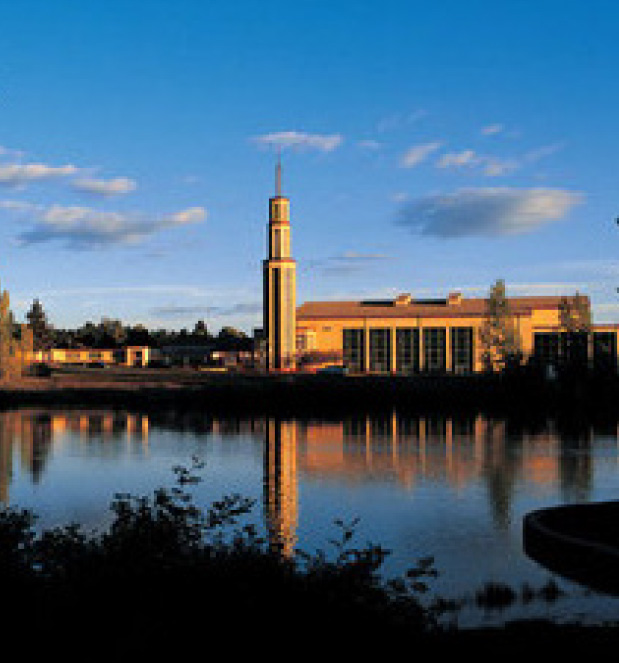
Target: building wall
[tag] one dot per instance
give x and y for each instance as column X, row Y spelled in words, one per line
column 129, row 356
column 328, row 334
column 325, row 334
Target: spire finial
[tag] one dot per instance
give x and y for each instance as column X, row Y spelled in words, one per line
column 278, row 174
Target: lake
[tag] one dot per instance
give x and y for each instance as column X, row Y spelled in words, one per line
column 455, row 487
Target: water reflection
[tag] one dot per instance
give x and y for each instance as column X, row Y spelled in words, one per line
column 453, row 451
column 453, row 486
column 406, row 450
column 32, row 435
column 281, row 485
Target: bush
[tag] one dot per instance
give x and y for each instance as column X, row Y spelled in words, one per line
column 161, row 553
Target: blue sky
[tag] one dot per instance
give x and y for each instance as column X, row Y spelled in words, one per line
column 427, row 147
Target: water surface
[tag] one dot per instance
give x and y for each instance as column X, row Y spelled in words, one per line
column 454, row 487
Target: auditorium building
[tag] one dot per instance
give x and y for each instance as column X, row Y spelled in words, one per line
column 403, row 335
column 407, row 336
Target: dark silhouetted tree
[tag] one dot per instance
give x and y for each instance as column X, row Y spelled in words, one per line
column 42, row 333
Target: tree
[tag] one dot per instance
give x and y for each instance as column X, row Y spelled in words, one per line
column 41, row 330
column 111, row 334
column 575, row 324
column 230, row 338
column 498, row 335
column 138, row 335
column 15, row 349
column 200, row 329
column 575, row 313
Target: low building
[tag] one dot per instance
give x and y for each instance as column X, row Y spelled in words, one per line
column 127, row 356
column 407, row 336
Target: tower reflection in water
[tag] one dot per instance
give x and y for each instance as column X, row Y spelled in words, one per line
column 281, row 485
column 455, row 451
column 33, row 436
column 461, row 452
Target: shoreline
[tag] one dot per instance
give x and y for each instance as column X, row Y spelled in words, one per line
column 518, row 395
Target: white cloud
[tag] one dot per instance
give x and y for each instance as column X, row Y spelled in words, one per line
column 189, row 215
column 85, row 228
column 348, row 262
column 370, row 144
column 418, row 153
column 495, row 167
column 112, row 187
column 488, row 212
column 490, row 166
column 399, row 120
column 300, row 140
column 542, row 152
column 15, row 173
column 10, row 152
column 458, row 159
column 492, row 129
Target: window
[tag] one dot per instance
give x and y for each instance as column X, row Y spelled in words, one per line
column 354, row 349
column 462, row 349
column 380, row 350
column 277, row 243
column 435, row 349
column 407, row 350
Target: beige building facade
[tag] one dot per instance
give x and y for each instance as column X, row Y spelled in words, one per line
column 408, row 336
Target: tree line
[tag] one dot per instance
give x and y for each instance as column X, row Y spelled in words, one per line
column 111, row 334
column 499, row 337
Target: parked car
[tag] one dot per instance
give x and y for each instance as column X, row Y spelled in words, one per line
column 334, row 370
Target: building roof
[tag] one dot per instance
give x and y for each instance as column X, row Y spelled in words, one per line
column 404, row 307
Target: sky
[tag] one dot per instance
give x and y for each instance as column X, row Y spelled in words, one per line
column 426, row 148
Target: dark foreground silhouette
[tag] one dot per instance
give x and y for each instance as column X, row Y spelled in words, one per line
column 168, row 579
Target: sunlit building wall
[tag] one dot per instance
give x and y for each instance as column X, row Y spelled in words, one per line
column 408, row 336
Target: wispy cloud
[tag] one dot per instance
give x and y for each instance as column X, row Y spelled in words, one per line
column 458, row 159
column 370, row 144
column 492, row 129
column 542, row 152
column 493, row 166
column 112, row 187
column 300, row 140
column 16, row 174
column 174, row 311
column 10, row 152
column 419, row 153
column 487, row 212
column 399, row 120
column 348, row 262
column 240, row 310
column 471, row 160
column 87, row 228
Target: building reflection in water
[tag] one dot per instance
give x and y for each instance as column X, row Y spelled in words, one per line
column 501, row 455
column 36, row 434
column 456, row 451
column 281, row 485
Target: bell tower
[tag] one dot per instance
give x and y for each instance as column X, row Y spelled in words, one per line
column 279, row 282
